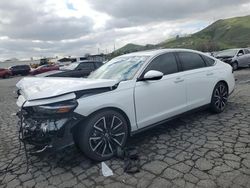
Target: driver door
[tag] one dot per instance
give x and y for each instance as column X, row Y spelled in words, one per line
column 241, row 58
column 160, row 99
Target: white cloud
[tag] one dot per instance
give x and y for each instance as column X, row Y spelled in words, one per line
column 75, row 27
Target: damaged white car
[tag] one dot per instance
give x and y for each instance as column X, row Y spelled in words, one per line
column 128, row 94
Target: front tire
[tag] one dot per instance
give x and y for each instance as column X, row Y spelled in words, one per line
column 101, row 134
column 235, row 65
column 219, row 98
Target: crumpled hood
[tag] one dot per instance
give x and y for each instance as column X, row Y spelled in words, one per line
column 33, row 88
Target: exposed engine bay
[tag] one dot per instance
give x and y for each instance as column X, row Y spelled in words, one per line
column 48, row 127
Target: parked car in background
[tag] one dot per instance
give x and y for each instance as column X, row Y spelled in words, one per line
column 44, row 68
column 76, row 70
column 5, row 73
column 239, row 57
column 43, row 61
column 20, row 70
column 124, row 96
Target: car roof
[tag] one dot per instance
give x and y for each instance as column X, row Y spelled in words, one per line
column 159, row 51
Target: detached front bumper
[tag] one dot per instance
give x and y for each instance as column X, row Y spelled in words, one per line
column 48, row 133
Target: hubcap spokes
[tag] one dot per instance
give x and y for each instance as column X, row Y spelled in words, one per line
column 108, row 133
column 221, row 97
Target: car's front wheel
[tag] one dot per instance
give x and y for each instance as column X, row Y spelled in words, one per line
column 235, row 66
column 101, row 135
column 219, row 97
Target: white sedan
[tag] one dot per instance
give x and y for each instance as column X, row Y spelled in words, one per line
column 128, row 94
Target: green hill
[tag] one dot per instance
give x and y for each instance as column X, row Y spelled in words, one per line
column 128, row 48
column 222, row 34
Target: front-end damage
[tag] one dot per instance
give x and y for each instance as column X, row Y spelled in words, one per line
column 48, row 127
column 47, row 119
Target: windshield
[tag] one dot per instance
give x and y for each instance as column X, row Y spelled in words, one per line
column 71, row 66
column 120, row 68
column 227, row 53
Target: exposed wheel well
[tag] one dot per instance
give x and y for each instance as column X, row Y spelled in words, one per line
column 223, row 81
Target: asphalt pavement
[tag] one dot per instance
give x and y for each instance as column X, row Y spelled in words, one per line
column 199, row 150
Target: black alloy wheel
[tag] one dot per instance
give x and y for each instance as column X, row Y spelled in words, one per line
column 102, row 134
column 219, row 98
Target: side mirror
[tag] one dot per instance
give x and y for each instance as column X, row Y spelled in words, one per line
column 240, row 54
column 152, row 75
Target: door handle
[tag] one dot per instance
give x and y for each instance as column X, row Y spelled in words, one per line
column 178, row 80
column 210, row 74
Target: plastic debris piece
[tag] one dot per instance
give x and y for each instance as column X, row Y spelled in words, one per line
column 106, row 171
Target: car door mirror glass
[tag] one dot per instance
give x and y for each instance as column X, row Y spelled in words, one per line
column 240, row 54
column 153, row 75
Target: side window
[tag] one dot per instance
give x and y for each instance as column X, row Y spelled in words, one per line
column 86, row 66
column 165, row 63
column 240, row 53
column 209, row 61
column 247, row 51
column 191, row 60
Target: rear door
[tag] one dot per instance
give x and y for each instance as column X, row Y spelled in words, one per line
column 19, row 69
column 200, row 78
column 160, row 99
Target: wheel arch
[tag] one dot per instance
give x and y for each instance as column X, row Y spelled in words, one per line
column 223, row 81
column 220, row 81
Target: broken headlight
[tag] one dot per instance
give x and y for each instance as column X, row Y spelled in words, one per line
column 57, row 108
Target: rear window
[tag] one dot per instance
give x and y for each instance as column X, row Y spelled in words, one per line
column 191, row 60
column 209, row 61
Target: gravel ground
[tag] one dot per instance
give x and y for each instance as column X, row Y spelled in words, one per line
column 198, row 150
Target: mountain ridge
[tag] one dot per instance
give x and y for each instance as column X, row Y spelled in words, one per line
column 222, row 34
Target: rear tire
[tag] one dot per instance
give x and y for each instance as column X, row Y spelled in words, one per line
column 101, row 134
column 219, row 98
